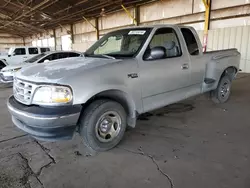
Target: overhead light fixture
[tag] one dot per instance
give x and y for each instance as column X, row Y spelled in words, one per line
column 103, row 12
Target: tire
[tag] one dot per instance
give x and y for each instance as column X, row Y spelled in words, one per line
column 223, row 91
column 99, row 117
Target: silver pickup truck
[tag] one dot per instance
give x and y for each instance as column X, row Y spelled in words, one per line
column 126, row 73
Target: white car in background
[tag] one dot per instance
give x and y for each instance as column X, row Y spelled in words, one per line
column 7, row 73
column 22, row 53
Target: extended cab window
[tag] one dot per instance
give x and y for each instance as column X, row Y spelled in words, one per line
column 20, row 51
column 33, row 50
column 191, row 42
column 167, row 39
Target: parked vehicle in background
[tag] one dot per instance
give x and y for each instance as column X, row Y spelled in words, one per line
column 20, row 54
column 3, row 64
column 7, row 73
column 126, row 73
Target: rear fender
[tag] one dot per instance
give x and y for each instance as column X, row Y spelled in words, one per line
column 231, row 71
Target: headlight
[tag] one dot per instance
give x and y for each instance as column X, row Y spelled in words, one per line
column 12, row 70
column 16, row 69
column 52, row 95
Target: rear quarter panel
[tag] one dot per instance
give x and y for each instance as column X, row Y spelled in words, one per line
column 218, row 62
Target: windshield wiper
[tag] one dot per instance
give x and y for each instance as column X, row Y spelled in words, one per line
column 99, row 55
column 107, row 56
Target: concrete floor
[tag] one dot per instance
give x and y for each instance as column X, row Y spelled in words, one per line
column 191, row 144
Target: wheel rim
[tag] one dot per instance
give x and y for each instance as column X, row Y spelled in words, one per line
column 108, row 126
column 225, row 90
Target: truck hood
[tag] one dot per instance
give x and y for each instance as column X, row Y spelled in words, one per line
column 53, row 72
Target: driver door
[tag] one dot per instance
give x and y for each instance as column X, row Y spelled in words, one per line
column 164, row 80
column 19, row 55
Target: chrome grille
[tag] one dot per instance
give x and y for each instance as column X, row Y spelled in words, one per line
column 23, row 91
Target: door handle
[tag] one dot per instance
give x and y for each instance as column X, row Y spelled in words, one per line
column 25, row 57
column 184, row 66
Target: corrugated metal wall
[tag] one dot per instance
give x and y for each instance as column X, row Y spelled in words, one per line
column 232, row 37
column 84, row 35
column 7, row 41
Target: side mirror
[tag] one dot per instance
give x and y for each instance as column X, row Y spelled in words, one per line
column 157, row 52
column 46, row 61
column 13, row 53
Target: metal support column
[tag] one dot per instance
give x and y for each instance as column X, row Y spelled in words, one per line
column 207, row 4
column 137, row 15
column 129, row 14
column 54, row 35
column 72, row 34
column 96, row 26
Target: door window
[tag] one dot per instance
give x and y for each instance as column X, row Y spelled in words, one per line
column 45, row 50
column 191, row 42
column 166, row 38
column 72, row 54
column 20, row 51
column 2, row 65
column 33, row 50
column 49, row 57
column 62, row 55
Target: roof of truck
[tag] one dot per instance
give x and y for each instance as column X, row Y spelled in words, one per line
column 157, row 26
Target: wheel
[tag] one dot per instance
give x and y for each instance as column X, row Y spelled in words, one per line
column 223, row 90
column 102, row 124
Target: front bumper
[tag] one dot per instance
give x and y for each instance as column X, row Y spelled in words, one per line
column 6, row 79
column 43, row 123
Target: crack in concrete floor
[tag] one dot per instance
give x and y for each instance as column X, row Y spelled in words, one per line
column 46, row 151
column 141, row 152
column 13, row 138
column 30, row 172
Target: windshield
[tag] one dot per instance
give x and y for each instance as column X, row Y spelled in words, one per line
column 11, row 50
column 121, row 43
column 35, row 58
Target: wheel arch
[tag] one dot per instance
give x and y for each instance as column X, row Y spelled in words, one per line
column 230, row 71
column 121, row 97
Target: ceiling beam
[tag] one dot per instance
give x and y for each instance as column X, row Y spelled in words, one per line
column 81, row 12
column 25, row 13
column 14, row 4
column 70, row 7
column 24, row 20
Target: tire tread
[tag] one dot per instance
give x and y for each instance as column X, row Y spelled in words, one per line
column 86, row 117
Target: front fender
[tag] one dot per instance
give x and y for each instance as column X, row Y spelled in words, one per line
column 116, row 93
column 86, row 94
